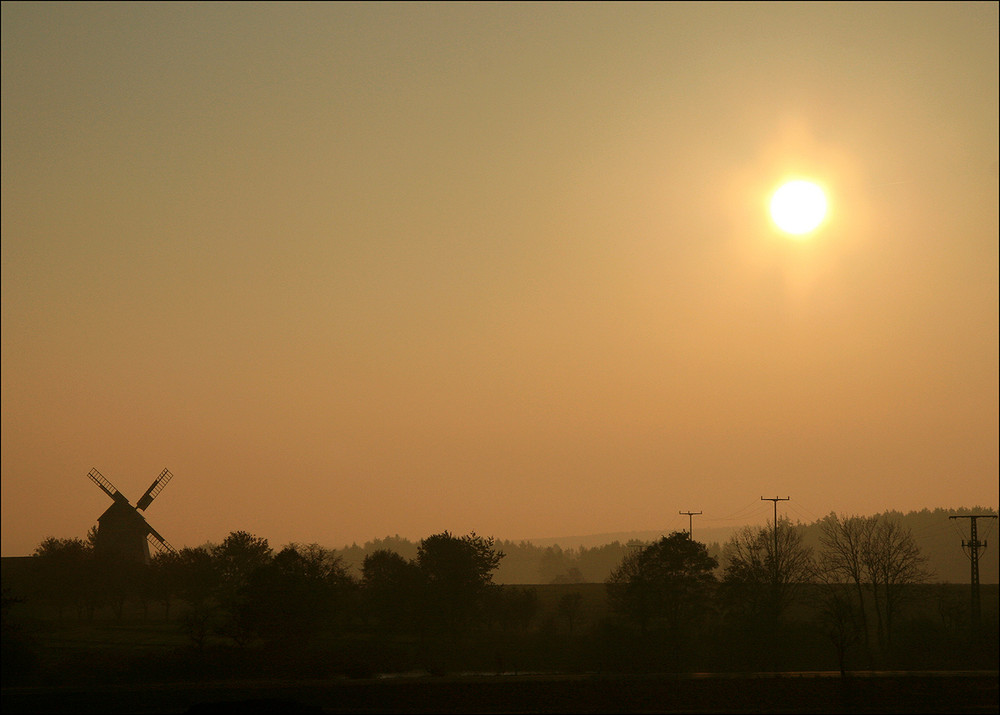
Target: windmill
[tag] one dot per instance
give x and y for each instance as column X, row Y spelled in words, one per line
column 123, row 534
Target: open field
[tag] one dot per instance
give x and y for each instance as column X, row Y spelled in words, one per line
column 142, row 661
column 926, row 601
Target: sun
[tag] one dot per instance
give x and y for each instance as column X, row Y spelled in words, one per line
column 798, row 207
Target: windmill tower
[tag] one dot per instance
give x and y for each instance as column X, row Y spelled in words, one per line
column 123, row 534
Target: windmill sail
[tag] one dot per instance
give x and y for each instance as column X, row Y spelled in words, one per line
column 110, row 489
column 159, row 543
column 155, row 488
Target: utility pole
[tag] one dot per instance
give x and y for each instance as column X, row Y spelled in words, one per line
column 775, row 581
column 775, row 500
column 690, row 514
column 973, row 544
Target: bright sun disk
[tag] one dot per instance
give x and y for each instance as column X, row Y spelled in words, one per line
column 798, row 207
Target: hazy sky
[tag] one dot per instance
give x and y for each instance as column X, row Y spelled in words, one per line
column 357, row 270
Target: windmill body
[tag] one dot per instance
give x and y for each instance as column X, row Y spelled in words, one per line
column 123, row 534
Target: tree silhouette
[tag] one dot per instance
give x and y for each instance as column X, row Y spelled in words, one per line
column 840, row 619
column 880, row 558
column 669, row 581
column 238, row 556
column 391, row 589
column 196, row 581
column 290, row 597
column 235, row 561
column 569, row 608
column 458, row 572
column 164, row 579
column 759, row 581
column 66, row 572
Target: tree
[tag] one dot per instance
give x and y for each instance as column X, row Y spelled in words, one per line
column 895, row 564
column 668, row 581
column 458, row 573
column 759, row 582
column 292, row 595
column 880, row 559
column 552, row 564
column 195, row 580
column 238, row 556
column 66, row 570
column 390, row 588
column 235, row 561
column 569, row 607
column 572, row 575
column 164, row 579
column 18, row 650
column 839, row 618
column 597, row 563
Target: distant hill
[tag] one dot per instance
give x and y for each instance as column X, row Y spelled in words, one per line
column 704, row 535
column 592, row 557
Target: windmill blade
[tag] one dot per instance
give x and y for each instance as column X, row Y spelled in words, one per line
column 155, row 488
column 158, row 542
column 106, row 486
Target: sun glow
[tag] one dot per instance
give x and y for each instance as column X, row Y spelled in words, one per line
column 798, row 207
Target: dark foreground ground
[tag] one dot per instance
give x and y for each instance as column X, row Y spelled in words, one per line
column 786, row 693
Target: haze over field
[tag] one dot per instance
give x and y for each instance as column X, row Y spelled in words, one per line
column 359, row 269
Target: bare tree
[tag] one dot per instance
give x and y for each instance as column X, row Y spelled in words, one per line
column 895, row 564
column 762, row 580
column 880, row 558
column 839, row 616
column 844, row 542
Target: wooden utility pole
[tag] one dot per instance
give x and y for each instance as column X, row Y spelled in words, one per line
column 973, row 544
column 690, row 514
column 775, row 500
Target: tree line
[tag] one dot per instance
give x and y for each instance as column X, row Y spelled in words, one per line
column 767, row 600
column 243, row 589
column 523, row 563
column 868, row 567
column 939, row 538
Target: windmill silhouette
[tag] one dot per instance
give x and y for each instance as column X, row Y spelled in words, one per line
column 123, row 534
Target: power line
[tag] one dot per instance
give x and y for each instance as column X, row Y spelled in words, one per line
column 743, row 514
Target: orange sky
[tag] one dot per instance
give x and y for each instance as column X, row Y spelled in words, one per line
column 356, row 270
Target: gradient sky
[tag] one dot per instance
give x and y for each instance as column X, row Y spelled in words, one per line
column 357, row 270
